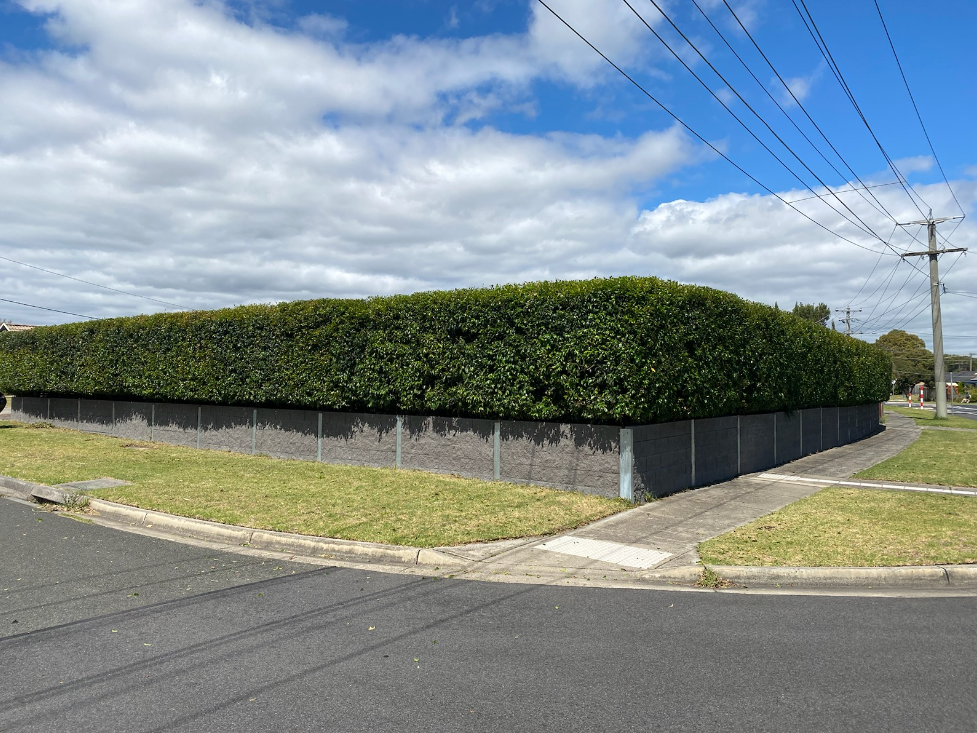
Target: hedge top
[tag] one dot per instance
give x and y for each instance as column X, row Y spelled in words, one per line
column 617, row 351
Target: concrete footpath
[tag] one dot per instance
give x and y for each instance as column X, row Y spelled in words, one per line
column 653, row 545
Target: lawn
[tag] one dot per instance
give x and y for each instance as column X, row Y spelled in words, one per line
column 383, row 505
column 937, row 457
column 855, row 528
column 858, row 527
column 927, row 418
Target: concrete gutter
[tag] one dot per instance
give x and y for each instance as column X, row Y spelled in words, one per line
column 293, row 544
column 489, row 561
column 925, row 576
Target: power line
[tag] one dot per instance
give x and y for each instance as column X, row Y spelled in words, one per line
column 815, row 32
column 853, row 189
column 864, row 227
column 916, row 108
column 790, row 91
column 41, row 307
column 78, row 279
column 869, row 278
column 693, row 132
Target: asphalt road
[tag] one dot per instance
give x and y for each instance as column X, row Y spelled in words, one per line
column 230, row 643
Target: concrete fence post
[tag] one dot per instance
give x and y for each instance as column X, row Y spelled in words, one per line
column 318, row 441
column 254, row 431
column 739, row 449
column 199, row 410
column 800, row 421
column 692, row 452
column 400, row 430
column 775, row 439
column 497, row 451
column 626, row 451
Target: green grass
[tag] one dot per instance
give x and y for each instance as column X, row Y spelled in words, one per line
column 864, row 528
column 855, row 528
column 927, row 418
column 936, row 457
column 368, row 504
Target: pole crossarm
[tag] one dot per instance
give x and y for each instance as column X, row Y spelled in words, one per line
column 933, row 252
column 924, row 222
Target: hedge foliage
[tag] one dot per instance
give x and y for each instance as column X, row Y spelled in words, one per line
column 617, row 351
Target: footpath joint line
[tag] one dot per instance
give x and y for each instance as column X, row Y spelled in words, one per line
column 864, row 484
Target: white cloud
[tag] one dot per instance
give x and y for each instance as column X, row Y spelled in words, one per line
column 179, row 153
column 799, row 86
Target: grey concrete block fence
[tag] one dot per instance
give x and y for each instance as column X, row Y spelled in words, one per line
column 635, row 463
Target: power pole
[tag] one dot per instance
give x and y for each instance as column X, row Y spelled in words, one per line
column 933, row 253
column 847, row 319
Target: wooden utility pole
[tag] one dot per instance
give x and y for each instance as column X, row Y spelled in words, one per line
column 933, row 253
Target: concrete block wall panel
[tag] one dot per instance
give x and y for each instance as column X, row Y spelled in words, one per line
column 756, row 442
column 96, row 416
column 829, row 427
column 359, row 439
column 845, row 425
column 287, row 434
column 28, row 409
column 132, row 420
column 811, row 430
column 226, row 428
column 448, row 445
column 868, row 420
column 176, row 424
column 716, row 452
column 662, row 458
column 578, row 457
column 64, row 413
column 788, row 437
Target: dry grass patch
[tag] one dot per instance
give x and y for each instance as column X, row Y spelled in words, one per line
column 855, row 528
column 368, row 504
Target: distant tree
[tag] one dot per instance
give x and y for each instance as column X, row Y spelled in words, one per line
column 912, row 362
column 819, row 313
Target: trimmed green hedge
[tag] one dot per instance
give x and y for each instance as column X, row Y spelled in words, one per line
column 616, row 351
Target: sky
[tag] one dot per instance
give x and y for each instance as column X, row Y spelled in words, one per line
column 198, row 155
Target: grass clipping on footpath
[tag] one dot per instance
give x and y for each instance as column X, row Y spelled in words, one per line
column 382, row 505
column 839, row 527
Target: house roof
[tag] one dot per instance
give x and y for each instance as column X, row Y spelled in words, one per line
column 962, row 377
column 15, row 327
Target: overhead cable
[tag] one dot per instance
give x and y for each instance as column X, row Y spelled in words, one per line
column 815, row 32
column 878, row 204
column 86, row 282
column 863, row 225
column 43, row 308
column 695, row 134
column 916, row 108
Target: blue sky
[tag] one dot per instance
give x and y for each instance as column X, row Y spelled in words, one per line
column 210, row 154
